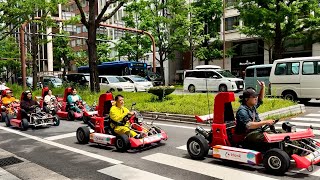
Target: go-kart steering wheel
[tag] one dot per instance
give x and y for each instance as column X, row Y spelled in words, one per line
column 271, row 127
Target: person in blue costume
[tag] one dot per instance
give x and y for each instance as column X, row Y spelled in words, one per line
column 73, row 100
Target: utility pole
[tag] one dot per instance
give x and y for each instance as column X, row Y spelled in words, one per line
column 224, row 33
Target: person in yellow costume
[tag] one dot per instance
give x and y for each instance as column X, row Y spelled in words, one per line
column 9, row 98
column 117, row 113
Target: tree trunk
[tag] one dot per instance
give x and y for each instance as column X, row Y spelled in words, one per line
column 162, row 69
column 34, row 50
column 278, row 44
column 92, row 49
column 270, row 55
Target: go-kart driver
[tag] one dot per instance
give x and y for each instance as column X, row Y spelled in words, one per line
column 28, row 104
column 8, row 98
column 119, row 121
column 48, row 101
column 248, row 121
column 72, row 100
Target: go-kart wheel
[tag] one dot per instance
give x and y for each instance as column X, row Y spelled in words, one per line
column 24, row 124
column 7, row 121
column 276, row 161
column 83, row 135
column 70, row 115
column 56, row 121
column 122, row 143
column 197, row 147
column 3, row 115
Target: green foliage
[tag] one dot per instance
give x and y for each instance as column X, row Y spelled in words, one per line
column 133, row 46
column 81, row 58
column 161, row 91
column 62, row 50
column 9, row 50
column 166, row 20
column 275, row 21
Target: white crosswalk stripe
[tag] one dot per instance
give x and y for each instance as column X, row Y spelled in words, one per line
column 313, row 115
column 307, row 119
column 207, row 169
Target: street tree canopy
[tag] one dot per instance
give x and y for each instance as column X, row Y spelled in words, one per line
column 276, row 21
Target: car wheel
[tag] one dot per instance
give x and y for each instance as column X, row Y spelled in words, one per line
column 70, row 115
column 192, row 89
column 24, row 124
column 7, row 121
column 289, row 95
column 112, row 90
column 83, row 135
column 276, row 161
column 197, row 147
column 223, row 88
column 122, row 143
column 56, row 121
column 85, row 119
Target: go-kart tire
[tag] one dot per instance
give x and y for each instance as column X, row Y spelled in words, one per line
column 56, row 121
column 7, row 121
column 3, row 115
column 122, row 143
column 197, row 147
column 276, row 161
column 70, row 115
column 83, row 135
column 24, row 124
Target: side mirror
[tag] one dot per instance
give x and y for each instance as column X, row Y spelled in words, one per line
column 215, row 77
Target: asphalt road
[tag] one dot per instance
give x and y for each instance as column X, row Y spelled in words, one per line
column 53, row 153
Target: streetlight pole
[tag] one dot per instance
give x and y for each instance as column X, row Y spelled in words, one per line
column 224, row 33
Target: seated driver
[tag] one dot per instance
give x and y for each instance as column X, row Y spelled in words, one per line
column 72, row 100
column 248, row 121
column 118, row 113
column 8, row 98
column 49, row 102
column 28, row 104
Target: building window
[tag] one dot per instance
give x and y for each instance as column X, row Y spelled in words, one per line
column 231, row 23
column 78, row 29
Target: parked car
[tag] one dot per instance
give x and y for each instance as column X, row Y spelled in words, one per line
column 257, row 72
column 78, row 78
column 115, row 83
column 29, row 82
column 140, row 83
column 52, row 81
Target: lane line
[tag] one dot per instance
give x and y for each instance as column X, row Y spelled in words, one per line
column 72, row 149
column 62, row 136
column 315, row 115
column 305, row 119
column 183, row 147
column 207, row 169
column 124, row 172
column 177, row 126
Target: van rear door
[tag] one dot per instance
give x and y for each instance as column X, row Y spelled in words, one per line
column 310, row 79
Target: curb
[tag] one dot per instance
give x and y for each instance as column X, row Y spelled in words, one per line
column 190, row 119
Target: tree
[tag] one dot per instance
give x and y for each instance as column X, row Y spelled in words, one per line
column 104, row 51
column 17, row 12
column 276, row 21
column 133, row 46
column 63, row 54
column 206, row 20
column 92, row 23
column 166, row 20
column 81, row 58
column 9, row 57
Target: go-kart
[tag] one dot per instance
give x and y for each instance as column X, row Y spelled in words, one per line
column 35, row 119
column 10, row 109
column 54, row 105
column 67, row 113
column 227, row 145
column 99, row 129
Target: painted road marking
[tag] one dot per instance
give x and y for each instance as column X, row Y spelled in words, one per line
column 62, row 136
column 305, row 119
column 207, row 169
column 72, row 149
column 124, row 172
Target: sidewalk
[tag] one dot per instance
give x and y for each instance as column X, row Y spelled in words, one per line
column 5, row 175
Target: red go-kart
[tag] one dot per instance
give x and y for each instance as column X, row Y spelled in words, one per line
column 99, row 130
column 54, row 101
column 67, row 113
column 227, row 145
column 10, row 109
column 37, row 118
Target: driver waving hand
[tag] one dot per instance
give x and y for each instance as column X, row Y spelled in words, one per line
column 248, row 121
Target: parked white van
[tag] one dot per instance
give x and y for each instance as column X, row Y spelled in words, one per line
column 296, row 78
column 211, row 80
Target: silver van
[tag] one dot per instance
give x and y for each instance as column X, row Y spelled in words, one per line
column 258, row 72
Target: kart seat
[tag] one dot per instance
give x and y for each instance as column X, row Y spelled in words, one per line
column 105, row 104
column 67, row 92
column 45, row 91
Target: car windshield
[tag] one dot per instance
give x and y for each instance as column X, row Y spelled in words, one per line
column 115, row 79
column 225, row 73
column 138, row 79
column 56, row 80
